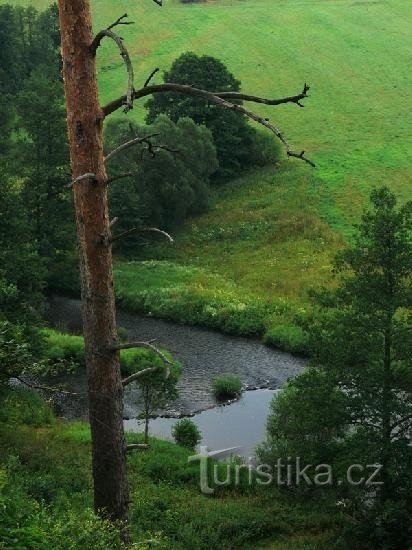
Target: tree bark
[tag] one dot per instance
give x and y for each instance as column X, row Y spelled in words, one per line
column 85, row 122
column 146, row 414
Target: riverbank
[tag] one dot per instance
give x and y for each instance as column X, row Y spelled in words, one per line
column 204, row 355
column 192, row 296
column 46, row 495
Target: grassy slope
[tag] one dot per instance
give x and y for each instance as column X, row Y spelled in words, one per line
column 355, row 55
column 49, row 484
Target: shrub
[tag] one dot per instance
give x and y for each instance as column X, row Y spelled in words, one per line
column 289, row 338
column 226, row 386
column 186, row 433
column 61, row 347
column 23, row 406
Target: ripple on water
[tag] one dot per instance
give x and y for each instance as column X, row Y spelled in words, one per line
column 203, row 353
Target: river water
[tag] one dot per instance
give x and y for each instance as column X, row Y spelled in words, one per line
column 204, row 355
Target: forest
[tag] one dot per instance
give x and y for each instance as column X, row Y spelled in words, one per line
column 205, row 274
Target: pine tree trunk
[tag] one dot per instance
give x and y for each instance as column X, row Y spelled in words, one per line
column 84, row 121
column 146, row 415
column 386, row 412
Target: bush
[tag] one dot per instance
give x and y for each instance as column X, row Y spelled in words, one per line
column 61, row 347
column 265, row 149
column 289, row 338
column 23, row 406
column 67, row 350
column 226, row 386
column 186, row 433
column 166, row 189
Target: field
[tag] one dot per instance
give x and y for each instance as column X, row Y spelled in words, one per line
column 272, row 233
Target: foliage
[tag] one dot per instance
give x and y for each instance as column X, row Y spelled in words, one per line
column 355, row 406
column 67, row 350
column 164, row 187
column 186, row 433
column 24, row 406
column 62, row 347
column 45, row 499
column 262, row 248
column 233, row 137
column 21, row 270
column 156, row 388
column 15, row 355
column 226, row 386
column 33, row 143
column 290, row 337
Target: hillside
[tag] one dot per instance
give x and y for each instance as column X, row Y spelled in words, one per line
column 272, row 233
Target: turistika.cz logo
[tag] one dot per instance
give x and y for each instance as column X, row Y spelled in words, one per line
column 290, row 472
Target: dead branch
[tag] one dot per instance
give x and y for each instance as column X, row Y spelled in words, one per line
column 124, row 234
column 149, row 78
column 151, row 148
column 142, row 230
column 84, row 177
column 148, row 345
column 128, row 98
column 120, row 22
column 256, row 99
column 113, row 221
column 191, row 90
column 137, row 447
column 128, row 144
column 137, row 375
column 121, row 176
column 221, row 101
column 50, row 389
column 160, row 231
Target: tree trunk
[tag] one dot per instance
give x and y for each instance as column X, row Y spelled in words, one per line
column 146, row 416
column 386, row 412
column 85, row 121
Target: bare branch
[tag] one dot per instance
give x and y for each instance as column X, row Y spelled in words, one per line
column 218, row 100
column 128, row 98
column 128, row 144
column 84, row 177
column 149, row 78
column 121, row 176
column 191, row 90
column 147, row 345
column 136, row 447
column 137, row 375
column 113, row 221
column 51, row 389
column 124, row 234
column 120, row 22
column 256, row 99
column 160, row 231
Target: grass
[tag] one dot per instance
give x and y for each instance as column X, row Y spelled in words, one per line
column 271, row 234
column 65, row 353
column 244, row 267
column 45, row 498
column 226, row 386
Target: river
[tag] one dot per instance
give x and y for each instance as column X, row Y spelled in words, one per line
column 204, row 355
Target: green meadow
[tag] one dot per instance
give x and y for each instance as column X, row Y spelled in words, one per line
column 272, row 233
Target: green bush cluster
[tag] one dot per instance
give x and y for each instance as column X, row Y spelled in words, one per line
column 61, row 347
column 186, row 433
column 288, row 337
column 226, row 386
column 23, row 406
column 46, row 497
column 194, row 306
column 68, row 349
